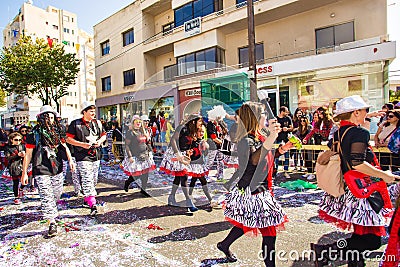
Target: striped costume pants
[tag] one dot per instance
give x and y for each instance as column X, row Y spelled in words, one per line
column 74, row 176
column 50, row 190
column 88, row 173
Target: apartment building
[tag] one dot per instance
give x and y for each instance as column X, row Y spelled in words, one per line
column 195, row 53
column 62, row 27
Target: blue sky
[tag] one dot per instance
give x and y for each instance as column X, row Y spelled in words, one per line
column 89, row 12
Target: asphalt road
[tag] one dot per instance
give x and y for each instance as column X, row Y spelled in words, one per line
column 132, row 230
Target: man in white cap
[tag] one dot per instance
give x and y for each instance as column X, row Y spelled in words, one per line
column 43, row 146
column 86, row 135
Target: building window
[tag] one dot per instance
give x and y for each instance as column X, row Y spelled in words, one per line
column 198, row 8
column 129, row 77
column 55, row 27
column 397, row 88
column 106, row 84
column 72, row 31
column 170, row 72
column 244, row 54
column 105, row 48
column 201, row 60
column 66, row 30
column 167, row 29
column 66, row 18
column 128, row 37
column 355, row 85
column 334, row 35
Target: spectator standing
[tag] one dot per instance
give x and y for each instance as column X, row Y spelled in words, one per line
column 283, row 137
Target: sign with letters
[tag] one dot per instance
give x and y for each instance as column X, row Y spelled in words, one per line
column 193, row 92
column 192, row 27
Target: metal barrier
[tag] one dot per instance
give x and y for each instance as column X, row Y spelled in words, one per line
column 387, row 159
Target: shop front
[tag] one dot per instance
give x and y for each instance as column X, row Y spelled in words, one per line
column 190, row 101
column 121, row 108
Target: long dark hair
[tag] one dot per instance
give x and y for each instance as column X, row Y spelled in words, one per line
column 51, row 134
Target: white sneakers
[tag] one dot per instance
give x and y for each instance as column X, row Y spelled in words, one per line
column 309, row 176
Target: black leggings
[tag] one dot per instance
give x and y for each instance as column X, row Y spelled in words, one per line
column 202, row 179
column 16, row 186
column 182, row 180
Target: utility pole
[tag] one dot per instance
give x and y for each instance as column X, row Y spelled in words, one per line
column 252, row 73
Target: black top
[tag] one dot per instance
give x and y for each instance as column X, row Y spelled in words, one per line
column 285, row 122
column 41, row 162
column 80, row 130
column 253, row 167
column 136, row 145
column 178, row 140
column 13, row 159
column 355, row 146
column 197, row 155
column 117, row 134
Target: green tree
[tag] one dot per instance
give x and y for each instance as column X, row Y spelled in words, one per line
column 34, row 68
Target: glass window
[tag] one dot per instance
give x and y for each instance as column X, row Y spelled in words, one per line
column 210, row 55
column 208, row 7
column 190, row 64
column 344, row 33
column 105, row 48
column 244, row 54
column 334, row 35
column 200, row 61
column 128, row 37
column 181, row 66
column 106, row 84
column 198, row 8
column 129, row 77
column 170, row 72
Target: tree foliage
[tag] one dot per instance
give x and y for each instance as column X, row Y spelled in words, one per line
column 34, row 68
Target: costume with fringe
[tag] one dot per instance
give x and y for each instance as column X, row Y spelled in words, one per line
column 251, row 205
column 170, row 163
column 137, row 147
column 347, row 211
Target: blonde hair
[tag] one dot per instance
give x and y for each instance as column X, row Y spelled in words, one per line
column 343, row 117
column 249, row 119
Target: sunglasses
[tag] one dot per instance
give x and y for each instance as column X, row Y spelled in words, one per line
column 18, row 140
column 367, row 109
column 391, row 116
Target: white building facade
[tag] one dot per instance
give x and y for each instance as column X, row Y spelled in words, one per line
column 62, row 27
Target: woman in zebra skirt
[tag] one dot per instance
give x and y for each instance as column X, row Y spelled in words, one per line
column 43, row 147
column 176, row 158
column 199, row 169
column 347, row 211
column 138, row 161
column 251, row 206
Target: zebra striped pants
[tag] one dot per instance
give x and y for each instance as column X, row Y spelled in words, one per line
column 74, row 176
column 50, row 190
column 88, row 173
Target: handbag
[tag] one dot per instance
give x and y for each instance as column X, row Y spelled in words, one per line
column 376, row 201
column 328, row 170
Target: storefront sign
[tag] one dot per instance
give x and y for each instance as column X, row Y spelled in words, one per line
column 192, row 27
column 194, row 92
column 129, row 98
column 264, row 69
